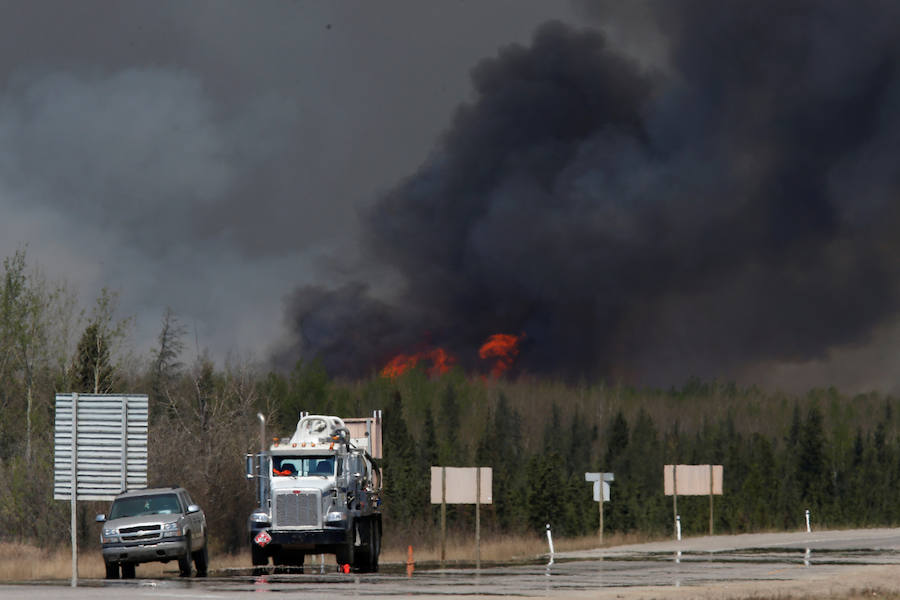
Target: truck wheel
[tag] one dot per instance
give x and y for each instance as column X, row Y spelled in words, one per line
column 112, row 570
column 364, row 552
column 376, row 544
column 345, row 553
column 201, row 560
column 128, row 570
column 184, row 565
column 258, row 556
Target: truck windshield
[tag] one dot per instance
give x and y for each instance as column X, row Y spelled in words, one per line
column 160, row 504
column 302, row 466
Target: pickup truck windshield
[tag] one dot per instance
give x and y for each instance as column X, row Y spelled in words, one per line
column 159, row 504
column 302, row 466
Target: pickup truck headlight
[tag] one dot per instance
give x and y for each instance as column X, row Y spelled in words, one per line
column 171, row 530
column 109, row 535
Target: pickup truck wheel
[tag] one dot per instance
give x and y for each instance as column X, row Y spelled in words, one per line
column 201, row 560
column 128, row 570
column 112, row 570
column 184, row 565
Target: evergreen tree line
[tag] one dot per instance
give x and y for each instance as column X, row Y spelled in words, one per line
column 836, row 455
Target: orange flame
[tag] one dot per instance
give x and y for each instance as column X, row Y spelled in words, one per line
column 504, row 348
column 440, row 359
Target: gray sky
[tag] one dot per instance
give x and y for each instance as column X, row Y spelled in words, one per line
column 211, row 156
column 647, row 190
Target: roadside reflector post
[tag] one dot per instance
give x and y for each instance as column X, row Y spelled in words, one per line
column 550, row 543
column 808, row 530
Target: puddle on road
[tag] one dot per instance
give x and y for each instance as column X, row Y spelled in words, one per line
column 532, row 577
column 779, row 555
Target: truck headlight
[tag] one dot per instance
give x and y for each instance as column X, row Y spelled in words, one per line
column 260, row 517
column 109, row 536
column 171, row 530
column 335, row 517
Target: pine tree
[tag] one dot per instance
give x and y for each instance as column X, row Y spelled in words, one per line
column 403, row 487
column 93, row 372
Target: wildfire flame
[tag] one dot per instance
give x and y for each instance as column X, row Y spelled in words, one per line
column 440, row 359
column 502, row 346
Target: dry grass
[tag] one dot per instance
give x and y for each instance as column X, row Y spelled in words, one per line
column 505, row 548
column 22, row 562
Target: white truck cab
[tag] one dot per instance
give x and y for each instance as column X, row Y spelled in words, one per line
column 319, row 492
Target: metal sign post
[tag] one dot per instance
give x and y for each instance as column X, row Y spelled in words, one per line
column 692, row 480
column 443, row 515
column 100, row 451
column 477, row 517
column 601, row 493
column 461, row 485
column 74, row 493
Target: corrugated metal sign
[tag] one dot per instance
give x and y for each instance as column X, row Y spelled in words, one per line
column 110, row 446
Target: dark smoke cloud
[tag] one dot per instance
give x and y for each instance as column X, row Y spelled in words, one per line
column 735, row 204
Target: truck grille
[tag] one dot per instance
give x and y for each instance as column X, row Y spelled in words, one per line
column 140, row 533
column 297, row 509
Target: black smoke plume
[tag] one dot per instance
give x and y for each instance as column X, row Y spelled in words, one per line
column 734, row 205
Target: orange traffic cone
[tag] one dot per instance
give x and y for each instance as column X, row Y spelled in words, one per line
column 410, row 563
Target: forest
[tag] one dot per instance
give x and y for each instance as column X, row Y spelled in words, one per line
column 833, row 454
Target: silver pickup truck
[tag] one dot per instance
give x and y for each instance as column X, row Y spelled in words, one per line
column 153, row 525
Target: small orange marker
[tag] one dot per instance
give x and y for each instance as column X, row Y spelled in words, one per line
column 410, row 563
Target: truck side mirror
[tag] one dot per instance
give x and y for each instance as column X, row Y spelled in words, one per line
column 100, row 518
column 251, row 471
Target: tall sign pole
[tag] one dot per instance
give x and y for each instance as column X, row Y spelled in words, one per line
column 695, row 480
column 711, row 499
column 461, row 485
column 477, row 517
column 601, row 494
column 100, row 451
column 443, row 515
column 600, row 530
column 675, row 500
column 73, row 505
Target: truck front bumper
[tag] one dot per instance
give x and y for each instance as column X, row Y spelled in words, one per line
column 168, row 549
column 304, row 539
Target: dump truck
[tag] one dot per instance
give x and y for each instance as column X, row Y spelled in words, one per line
column 319, row 493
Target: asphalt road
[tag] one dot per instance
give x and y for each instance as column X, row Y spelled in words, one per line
column 694, row 567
